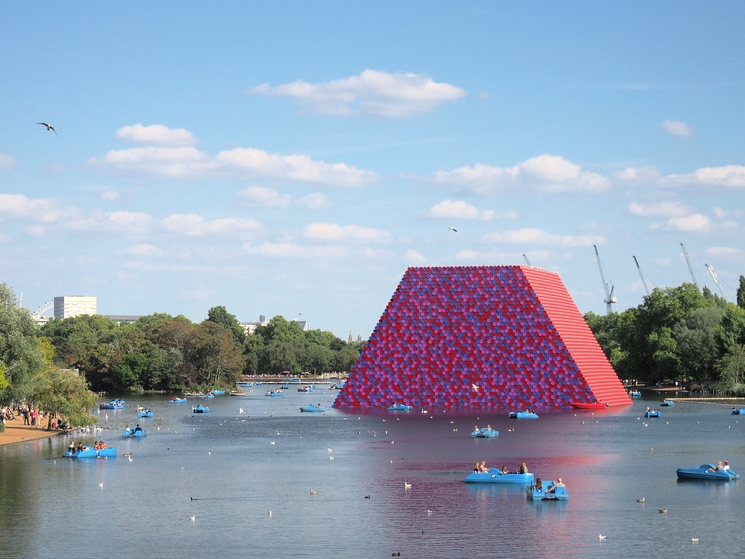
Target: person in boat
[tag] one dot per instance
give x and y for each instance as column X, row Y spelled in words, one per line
column 81, row 447
column 318, row 406
column 726, row 466
column 488, row 427
column 71, row 446
column 476, row 468
column 504, row 470
column 95, row 445
column 523, row 469
column 482, row 467
column 647, row 410
column 538, row 484
column 137, row 428
column 558, row 483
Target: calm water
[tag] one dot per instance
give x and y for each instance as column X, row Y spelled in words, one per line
column 238, row 469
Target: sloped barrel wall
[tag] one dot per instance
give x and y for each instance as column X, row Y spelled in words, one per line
column 472, row 337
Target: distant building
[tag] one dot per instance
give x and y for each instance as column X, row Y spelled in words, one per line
column 303, row 324
column 250, row 327
column 123, row 318
column 74, row 305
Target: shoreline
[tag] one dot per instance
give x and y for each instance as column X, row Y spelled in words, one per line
column 23, row 433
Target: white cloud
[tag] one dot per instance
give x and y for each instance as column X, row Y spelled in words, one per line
column 156, row 134
column 458, row 209
column 677, row 128
column 661, row 209
column 413, row 257
column 725, row 251
column 720, row 213
column 334, row 232
column 7, row 162
column 373, row 92
column 145, row 250
column 194, row 225
column 293, row 250
column 189, row 162
column 728, row 175
column 110, row 195
column 314, row 201
column 532, row 236
column 545, row 172
column 40, row 210
column 637, row 174
column 692, row 223
column 264, row 197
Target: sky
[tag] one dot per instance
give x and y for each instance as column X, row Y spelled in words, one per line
column 294, row 158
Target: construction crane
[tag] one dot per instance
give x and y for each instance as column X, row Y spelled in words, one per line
column 716, row 279
column 526, row 260
column 42, row 309
column 688, row 259
column 641, row 276
column 609, row 298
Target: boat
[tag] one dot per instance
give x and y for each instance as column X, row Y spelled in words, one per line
column 218, row 392
column 494, row 475
column 193, row 394
column 130, row 432
column 238, row 393
column 652, row 413
column 535, row 494
column 208, row 395
column 706, row 472
column 274, row 393
column 112, row 405
column 145, row 413
column 635, row 394
column 667, row 403
column 309, row 388
column 200, row 409
column 285, row 387
column 177, row 400
column 736, row 411
column 523, row 415
column 589, row 405
column 484, row 433
column 399, row 407
column 317, row 408
column 90, row 452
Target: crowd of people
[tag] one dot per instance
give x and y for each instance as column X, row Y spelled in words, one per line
column 31, row 416
column 481, row 468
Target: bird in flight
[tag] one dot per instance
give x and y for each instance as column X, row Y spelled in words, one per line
column 49, row 126
column 449, row 228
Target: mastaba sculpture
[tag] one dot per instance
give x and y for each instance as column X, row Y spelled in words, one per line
column 482, row 337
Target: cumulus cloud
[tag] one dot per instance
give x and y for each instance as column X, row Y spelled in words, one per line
column 110, row 195
column 545, row 172
column 414, row 257
column 372, row 92
column 189, row 162
column 7, row 162
column 194, row 225
column 156, row 134
column 677, row 128
column 533, row 236
column 637, row 174
column 661, row 209
column 720, row 213
column 314, row 201
column 458, row 209
column 293, row 250
column 693, row 223
column 264, row 197
column 144, row 250
column 40, row 210
column 334, row 232
column 725, row 251
column 732, row 176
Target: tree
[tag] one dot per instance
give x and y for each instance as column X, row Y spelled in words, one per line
column 21, row 359
column 732, row 367
column 741, row 293
column 214, row 355
column 221, row 316
column 697, row 344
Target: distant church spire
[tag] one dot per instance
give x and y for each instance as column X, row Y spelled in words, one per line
column 350, row 336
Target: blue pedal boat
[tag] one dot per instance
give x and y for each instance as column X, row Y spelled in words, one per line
column 652, row 413
column 274, row 394
column 90, row 452
column 200, row 409
column 133, row 432
column 545, row 493
column 178, row 400
column 313, row 409
column 218, row 392
column 667, row 403
column 706, row 472
column 736, row 411
column 635, row 394
column 399, row 407
column 112, row 405
column 496, row 476
column 484, row 433
column 208, row 395
column 523, row 415
column 145, row 413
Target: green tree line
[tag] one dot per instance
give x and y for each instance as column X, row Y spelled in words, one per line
column 162, row 352
column 677, row 333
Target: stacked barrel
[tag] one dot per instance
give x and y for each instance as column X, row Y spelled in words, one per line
column 474, row 337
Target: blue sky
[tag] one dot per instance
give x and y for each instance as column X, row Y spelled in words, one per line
column 294, row 158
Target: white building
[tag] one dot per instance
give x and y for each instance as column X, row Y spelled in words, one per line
column 74, row 305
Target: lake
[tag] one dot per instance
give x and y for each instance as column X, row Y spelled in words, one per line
column 247, row 480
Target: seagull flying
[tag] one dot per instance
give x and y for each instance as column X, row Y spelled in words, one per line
column 449, row 228
column 49, row 126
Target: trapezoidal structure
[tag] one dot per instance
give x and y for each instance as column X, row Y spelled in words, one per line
column 481, row 337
